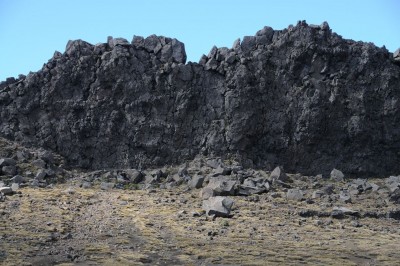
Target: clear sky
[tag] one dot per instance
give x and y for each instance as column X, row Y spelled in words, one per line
column 31, row 30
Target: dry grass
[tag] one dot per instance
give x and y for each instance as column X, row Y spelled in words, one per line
column 136, row 227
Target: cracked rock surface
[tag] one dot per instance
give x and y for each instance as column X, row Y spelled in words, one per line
column 302, row 97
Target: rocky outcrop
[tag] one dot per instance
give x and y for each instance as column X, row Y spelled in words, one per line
column 302, row 97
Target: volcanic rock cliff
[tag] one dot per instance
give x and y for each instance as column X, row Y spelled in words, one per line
column 302, row 97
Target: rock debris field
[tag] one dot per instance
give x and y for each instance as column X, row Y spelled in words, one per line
column 204, row 212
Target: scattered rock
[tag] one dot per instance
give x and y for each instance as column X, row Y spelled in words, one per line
column 218, row 206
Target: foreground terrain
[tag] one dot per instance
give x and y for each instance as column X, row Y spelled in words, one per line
column 73, row 225
column 57, row 216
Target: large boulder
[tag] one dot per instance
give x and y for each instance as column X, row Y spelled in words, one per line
column 218, row 206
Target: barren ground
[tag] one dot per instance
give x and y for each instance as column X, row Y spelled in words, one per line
column 67, row 225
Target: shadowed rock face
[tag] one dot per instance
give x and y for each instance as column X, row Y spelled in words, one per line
column 301, row 97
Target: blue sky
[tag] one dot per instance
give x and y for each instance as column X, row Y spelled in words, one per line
column 30, row 31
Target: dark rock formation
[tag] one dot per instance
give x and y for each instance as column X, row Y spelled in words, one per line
column 302, row 97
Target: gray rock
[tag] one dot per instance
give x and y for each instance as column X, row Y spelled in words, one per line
column 345, row 197
column 14, row 187
column 396, row 54
column 119, row 41
column 222, row 185
column 41, row 175
column 86, row 185
column 137, row 41
column 7, row 162
column 196, row 181
column 222, row 170
column 6, row 190
column 251, row 190
column 39, row 163
column 317, row 194
column 218, row 206
column 47, row 157
column 337, row 175
column 295, row 194
column 134, row 175
column 9, row 170
column 206, row 193
column 278, row 175
column 393, row 183
column 344, row 211
column 18, row 179
column 107, row 185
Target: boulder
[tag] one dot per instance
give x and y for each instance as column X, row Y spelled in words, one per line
column 41, row 175
column 337, row 175
column 295, row 194
column 396, row 55
column 278, row 175
column 317, row 194
column 9, row 170
column 7, row 162
column 134, row 175
column 392, row 183
column 196, row 181
column 18, row 179
column 207, row 193
column 6, row 190
column 222, row 185
column 218, row 206
column 107, row 185
column 39, row 163
column 14, row 187
column 345, row 197
column 339, row 212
